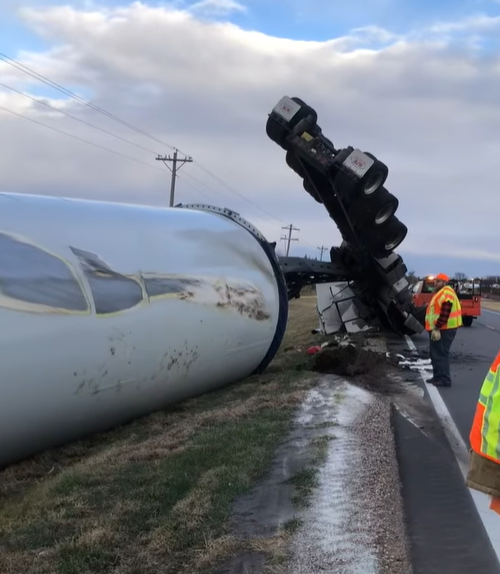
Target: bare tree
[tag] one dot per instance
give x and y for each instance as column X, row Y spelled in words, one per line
column 411, row 277
column 460, row 276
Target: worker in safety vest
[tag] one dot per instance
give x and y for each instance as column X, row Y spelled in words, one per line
column 484, row 471
column 442, row 319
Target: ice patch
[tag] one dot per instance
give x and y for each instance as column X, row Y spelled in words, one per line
column 337, row 535
column 313, row 401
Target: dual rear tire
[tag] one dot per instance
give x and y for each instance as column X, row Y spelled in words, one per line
column 374, row 216
column 467, row 320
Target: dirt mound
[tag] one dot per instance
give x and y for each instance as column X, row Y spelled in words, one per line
column 364, row 368
column 347, row 361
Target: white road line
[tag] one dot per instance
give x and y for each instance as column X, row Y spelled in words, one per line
column 490, row 519
column 490, row 327
column 483, row 310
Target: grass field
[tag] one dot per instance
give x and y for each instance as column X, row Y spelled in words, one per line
column 491, row 305
column 154, row 496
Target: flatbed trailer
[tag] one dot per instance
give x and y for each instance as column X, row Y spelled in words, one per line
column 468, row 292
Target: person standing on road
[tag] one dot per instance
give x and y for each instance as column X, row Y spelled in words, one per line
column 484, row 470
column 442, row 319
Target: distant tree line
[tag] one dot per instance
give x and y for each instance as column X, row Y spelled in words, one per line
column 489, row 284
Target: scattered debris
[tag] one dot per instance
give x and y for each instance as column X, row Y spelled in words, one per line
column 313, row 350
column 419, row 365
column 317, row 348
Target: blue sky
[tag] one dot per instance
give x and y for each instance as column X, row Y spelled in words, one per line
column 325, row 19
column 317, row 20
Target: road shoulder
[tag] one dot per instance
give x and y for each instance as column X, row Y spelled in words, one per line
column 353, row 519
column 444, row 527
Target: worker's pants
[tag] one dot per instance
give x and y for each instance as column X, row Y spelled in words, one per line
column 439, row 352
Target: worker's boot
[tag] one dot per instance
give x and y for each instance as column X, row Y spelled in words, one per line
column 440, row 383
column 484, row 475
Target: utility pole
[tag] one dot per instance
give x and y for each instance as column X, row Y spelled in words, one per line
column 176, row 166
column 289, row 238
column 322, row 249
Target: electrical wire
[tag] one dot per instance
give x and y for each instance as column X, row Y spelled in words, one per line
column 62, row 89
column 197, row 190
column 40, row 77
column 41, row 102
column 94, row 144
column 205, row 185
column 79, row 138
column 233, row 190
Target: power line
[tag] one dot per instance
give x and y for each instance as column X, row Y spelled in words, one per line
column 41, row 102
column 230, row 188
column 202, row 183
column 196, row 189
column 288, row 239
column 58, row 87
column 93, row 144
column 176, row 165
column 40, row 77
column 47, row 105
column 78, row 138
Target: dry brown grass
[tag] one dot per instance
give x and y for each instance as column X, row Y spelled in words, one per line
column 490, row 305
column 155, row 495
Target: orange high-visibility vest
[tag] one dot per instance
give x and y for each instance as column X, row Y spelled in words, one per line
column 434, row 309
column 485, row 433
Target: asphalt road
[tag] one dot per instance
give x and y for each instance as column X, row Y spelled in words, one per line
column 445, row 531
column 472, row 353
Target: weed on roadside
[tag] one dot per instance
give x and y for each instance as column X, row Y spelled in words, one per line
column 306, row 479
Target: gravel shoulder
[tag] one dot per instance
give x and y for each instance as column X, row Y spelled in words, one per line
column 352, row 520
column 356, row 522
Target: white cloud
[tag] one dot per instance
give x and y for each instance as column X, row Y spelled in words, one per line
column 471, row 24
column 217, row 7
column 425, row 107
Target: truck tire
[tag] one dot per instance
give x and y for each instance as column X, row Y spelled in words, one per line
column 292, row 161
column 373, row 209
column 382, row 240
column 304, row 112
column 354, row 188
column 278, row 132
column 307, row 185
column 314, row 182
column 375, row 178
column 467, row 320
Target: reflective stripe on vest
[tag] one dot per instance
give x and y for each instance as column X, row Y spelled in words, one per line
column 434, row 309
column 485, row 432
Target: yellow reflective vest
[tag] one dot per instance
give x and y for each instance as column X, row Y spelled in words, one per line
column 485, row 432
column 434, row 309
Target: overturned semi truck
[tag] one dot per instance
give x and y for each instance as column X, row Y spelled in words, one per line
column 349, row 183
